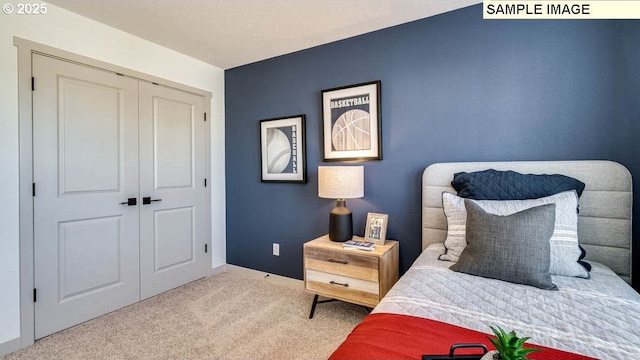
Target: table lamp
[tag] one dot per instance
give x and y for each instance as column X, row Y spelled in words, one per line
column 340, row 183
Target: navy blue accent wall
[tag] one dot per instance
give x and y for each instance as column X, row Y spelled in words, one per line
column 454, row 88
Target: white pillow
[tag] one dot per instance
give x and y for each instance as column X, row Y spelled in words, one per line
column 564, row 241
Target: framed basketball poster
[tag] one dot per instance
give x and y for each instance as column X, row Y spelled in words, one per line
column 351, row 122
column 282, row 149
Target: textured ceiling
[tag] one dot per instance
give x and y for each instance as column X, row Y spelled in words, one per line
column 230, row 33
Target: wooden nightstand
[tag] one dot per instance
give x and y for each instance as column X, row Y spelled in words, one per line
column 356, row 276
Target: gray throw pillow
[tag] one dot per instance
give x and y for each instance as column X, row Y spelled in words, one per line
column 513, row 248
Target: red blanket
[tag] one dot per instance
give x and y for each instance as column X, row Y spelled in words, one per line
column 392, row 336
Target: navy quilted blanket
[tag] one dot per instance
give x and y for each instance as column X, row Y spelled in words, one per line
column 510, row 185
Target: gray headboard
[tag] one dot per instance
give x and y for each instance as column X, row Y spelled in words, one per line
column 604, row 223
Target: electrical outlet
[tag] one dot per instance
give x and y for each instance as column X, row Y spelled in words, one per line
column 276, row 249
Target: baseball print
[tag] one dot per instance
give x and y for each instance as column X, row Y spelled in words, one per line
column 282, row 149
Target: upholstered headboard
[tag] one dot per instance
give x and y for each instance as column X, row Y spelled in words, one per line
column 604, row 222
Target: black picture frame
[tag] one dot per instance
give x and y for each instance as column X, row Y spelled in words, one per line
column 351, row 122
column 283, row 149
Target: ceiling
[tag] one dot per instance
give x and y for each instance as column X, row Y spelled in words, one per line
column 230, row 33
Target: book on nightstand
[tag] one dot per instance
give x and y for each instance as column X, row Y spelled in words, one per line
column 360, row 245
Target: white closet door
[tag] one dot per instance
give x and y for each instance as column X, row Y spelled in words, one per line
column 85, row 145
column 172, row 168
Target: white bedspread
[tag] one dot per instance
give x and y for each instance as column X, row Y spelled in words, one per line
column 598, row 317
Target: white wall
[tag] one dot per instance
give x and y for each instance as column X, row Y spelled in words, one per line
column 67, row 31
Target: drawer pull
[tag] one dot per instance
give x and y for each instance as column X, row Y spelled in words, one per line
column 337, row 283
column 339, row 261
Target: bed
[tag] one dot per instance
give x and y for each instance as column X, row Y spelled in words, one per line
column 432, row 307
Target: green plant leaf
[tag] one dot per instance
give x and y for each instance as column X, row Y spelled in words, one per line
column 525, row 351
column 509, row 345
column 521, row 341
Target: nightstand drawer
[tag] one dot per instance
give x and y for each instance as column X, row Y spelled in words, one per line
column 343, row 287
column 342, row 263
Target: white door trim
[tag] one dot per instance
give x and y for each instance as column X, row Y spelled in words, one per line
column 25, row 128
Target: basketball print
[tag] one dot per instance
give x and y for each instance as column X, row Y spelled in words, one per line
column 351, row 122
column 278, row 151
column 351, row 131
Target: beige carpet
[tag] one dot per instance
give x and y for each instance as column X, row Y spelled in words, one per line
column 226, row 316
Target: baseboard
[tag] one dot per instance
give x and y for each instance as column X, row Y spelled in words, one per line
column 216, row 270
column 10, row 346
column 260, row 275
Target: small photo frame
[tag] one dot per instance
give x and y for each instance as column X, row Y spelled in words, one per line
column 376, row 229
column 282, row 149
column 351, row 122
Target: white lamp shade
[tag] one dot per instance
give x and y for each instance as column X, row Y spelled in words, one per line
column 340, row 182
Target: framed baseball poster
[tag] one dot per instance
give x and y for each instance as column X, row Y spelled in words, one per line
column 282, row 150
column 351, row 122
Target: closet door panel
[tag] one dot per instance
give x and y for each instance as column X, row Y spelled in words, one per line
column 172, row 168
column 85, row 160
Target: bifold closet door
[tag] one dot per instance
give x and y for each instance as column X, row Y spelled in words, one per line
column 85, row 165
column 119, row 205
column 172, row 179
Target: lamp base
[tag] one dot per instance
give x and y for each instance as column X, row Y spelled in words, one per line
column 340, row 222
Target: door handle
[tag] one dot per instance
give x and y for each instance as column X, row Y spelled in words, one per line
column 147, row 200
column 130, row 202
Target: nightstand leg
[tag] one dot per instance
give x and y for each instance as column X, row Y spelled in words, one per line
column 313, row 306
column 316, row 302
